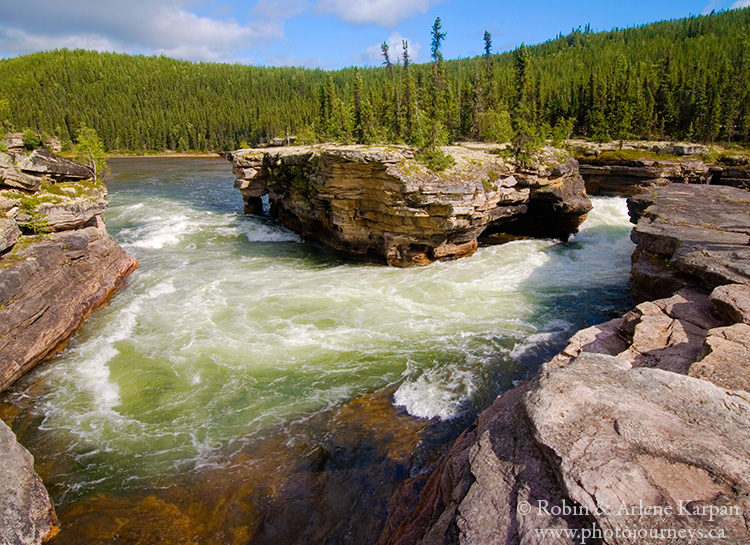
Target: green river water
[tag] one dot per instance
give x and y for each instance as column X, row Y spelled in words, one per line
column 233, row 329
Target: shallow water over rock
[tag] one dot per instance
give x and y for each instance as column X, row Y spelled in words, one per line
column 248, row 386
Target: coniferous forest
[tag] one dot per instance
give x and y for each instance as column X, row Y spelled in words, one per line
column 683, row 79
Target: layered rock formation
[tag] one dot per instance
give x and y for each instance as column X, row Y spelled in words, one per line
column 26, row 513
column 689, row 236
column 57, row 261
column 379, row 201
column 609, row 169
column 637, row 433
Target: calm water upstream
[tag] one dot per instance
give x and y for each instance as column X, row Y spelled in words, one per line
column 233, row 330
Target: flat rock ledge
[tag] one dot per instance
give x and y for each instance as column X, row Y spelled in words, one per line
column 638, row 432
column 608, row 170
column 379, row 202
column 689, row 235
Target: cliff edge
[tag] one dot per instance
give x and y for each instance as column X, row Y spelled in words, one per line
column 381, row 202
column 57, row 264
column 637, row 433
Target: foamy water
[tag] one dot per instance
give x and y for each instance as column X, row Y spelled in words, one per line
column 232, row 327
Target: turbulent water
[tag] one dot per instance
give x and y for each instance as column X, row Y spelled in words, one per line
column 232, row 327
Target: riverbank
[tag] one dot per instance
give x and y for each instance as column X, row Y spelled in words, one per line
column 165, row 154
column 244, row 382
column 639, row 426
column 264, row 372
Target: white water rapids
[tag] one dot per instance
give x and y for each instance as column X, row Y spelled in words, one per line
column 232, row 326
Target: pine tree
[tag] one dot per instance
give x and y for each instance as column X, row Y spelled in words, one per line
column 489, row 76
column 411, row 109
column 359, row 120
column 438, row 98
column 386, row 56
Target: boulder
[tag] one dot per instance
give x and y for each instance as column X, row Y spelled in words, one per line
column 14, row 178
column 732, row 302
column 725, row 358
column 27, row 516
column 378, row 201
column 14, row 141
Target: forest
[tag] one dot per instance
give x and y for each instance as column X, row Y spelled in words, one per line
column 681, row 79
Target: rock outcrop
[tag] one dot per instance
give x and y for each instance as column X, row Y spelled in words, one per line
column 638, row 167
column 57, row 261
column 379, row 201
column 689, row 235
column 637, row 433
column 49, row 287
column 27, row 516
column 57, row 264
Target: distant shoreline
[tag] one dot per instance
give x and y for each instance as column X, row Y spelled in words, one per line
column 212, row 155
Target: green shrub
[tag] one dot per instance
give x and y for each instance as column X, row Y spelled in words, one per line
column 526, row 142
column 562, row 130
column 434, row 159
column 31, row 140
column 495, row 126
column 305, row 135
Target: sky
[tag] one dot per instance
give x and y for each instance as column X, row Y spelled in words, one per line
column 313, row 33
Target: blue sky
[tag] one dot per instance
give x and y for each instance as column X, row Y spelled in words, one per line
column 313, row 33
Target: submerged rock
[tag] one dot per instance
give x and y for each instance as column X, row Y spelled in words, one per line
column 27, row 516
column 379, row 201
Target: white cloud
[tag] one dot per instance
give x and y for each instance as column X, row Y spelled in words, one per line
column 146, row 26
column 19, row 40
column 740, row 4
column 374, row 55
column 386, row 13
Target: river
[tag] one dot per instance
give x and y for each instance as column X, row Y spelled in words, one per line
column 237, row 345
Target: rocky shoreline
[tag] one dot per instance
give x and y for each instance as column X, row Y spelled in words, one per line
column 381, row 202
column 57, row 264
column 637, row 167
column 648, row 410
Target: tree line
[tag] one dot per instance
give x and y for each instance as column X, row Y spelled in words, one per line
column 681, row 79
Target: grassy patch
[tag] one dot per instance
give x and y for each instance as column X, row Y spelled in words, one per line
column 637, row 155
